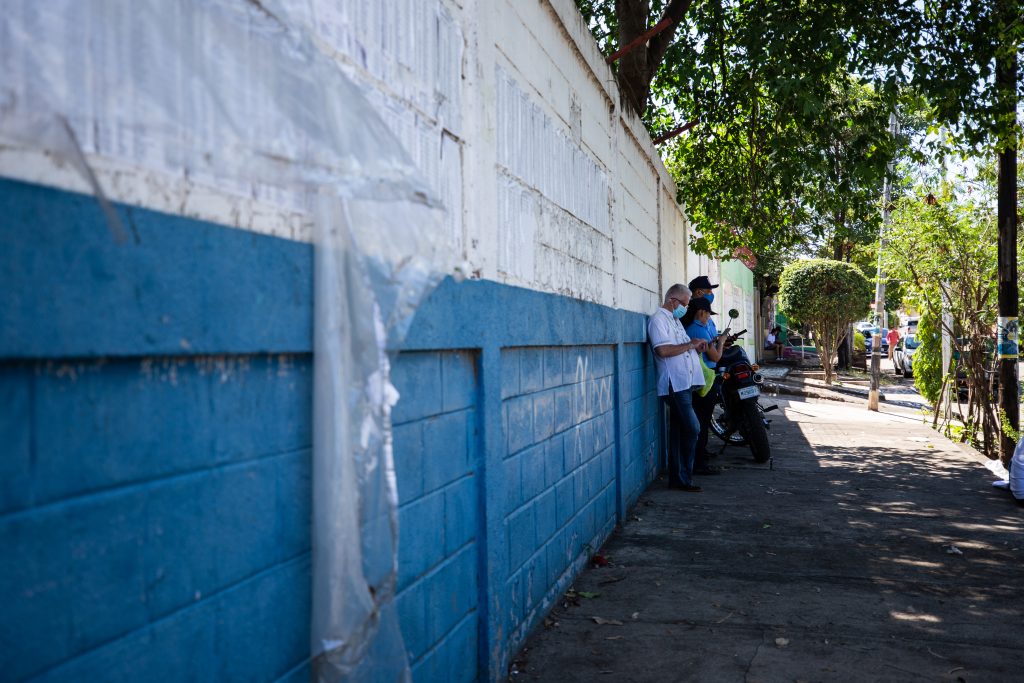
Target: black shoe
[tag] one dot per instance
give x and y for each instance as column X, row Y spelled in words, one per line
column 689, row 488
column 709, row 470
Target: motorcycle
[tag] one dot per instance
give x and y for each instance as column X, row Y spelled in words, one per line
column 738, row 417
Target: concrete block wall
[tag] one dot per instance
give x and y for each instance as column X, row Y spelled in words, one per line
column 559, row 468
column 640, row 408
column 569, row 435
column 437, row 461
column 153, row 520
column 156, row 495
column 585, row 205
column 639, row 194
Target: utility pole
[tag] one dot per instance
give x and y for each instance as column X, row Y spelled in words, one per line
column 876, row 337
column 1006, row 208
column 944, row 402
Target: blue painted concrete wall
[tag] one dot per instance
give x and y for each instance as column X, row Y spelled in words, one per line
column 437, row 461
column 155, row 463
column 559, row 468
column 154, row 497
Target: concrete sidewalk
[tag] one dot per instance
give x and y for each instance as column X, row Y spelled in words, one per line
column 875, row 550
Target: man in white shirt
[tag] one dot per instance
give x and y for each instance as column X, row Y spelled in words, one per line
column 679, row 372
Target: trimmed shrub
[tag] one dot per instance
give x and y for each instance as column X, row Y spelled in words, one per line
column 828, row 296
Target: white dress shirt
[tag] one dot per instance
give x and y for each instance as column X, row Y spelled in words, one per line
column 678, row 372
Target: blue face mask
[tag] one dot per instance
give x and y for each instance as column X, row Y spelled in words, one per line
column 679, row 312
column 710, row 297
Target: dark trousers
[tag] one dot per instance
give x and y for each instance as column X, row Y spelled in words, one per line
column 844, row 355
column 682, row 437
column 704, row 406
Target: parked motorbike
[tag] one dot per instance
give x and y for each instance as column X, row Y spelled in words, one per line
column 738, row 418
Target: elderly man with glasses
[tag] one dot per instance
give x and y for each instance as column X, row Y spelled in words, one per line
column 679, row 373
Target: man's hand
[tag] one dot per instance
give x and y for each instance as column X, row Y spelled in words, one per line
column 699, row 345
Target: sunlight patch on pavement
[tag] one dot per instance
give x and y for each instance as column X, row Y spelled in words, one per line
column 914, row 616
column 924, row 564
column 1009, row 527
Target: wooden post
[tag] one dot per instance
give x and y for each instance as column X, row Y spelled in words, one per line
column 1006, row 203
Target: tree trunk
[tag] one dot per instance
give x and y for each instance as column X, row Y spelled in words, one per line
column 634, row 72
column 837, row 240
column 637, row 67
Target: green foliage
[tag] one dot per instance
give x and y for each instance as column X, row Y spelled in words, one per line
column 859, row 345
column 952, row 241
column 709, row 63
column 928, row 358
column 767, row 177
column 1004, row 422
column 827, row 295
column 957, row 45
column 791, row 97
column 865, row 257
column 944, row 248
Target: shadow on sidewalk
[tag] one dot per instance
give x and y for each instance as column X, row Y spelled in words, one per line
column 874, row 550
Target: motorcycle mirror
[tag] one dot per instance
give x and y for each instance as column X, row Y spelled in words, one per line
column 733, row 313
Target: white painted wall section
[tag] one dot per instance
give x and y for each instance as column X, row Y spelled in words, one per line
column 507, row 107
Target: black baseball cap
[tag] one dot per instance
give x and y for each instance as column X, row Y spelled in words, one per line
column 701, row 282
column 701, row 304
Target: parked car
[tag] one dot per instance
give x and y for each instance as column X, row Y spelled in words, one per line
column 903, row 355
column 795, row 347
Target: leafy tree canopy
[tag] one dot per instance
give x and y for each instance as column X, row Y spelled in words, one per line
column 792, row 98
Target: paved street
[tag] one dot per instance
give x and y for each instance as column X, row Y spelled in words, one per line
column 873, row 551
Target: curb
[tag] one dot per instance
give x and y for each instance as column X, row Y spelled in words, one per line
column 840, row 395
column 790, row 390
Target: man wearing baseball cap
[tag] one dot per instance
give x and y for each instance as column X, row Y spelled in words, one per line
column 701, row 286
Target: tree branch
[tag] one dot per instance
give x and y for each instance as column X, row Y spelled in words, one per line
column 659, row 44
column 640, row 40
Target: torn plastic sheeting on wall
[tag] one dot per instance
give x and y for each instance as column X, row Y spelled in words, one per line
column 234, row 90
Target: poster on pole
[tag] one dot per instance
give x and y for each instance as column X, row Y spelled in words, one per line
column 1006, row 340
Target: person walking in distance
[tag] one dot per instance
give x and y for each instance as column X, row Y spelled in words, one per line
column 893, row 338
column 679, row 371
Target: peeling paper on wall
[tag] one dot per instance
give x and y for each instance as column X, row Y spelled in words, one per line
column 236, row 92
